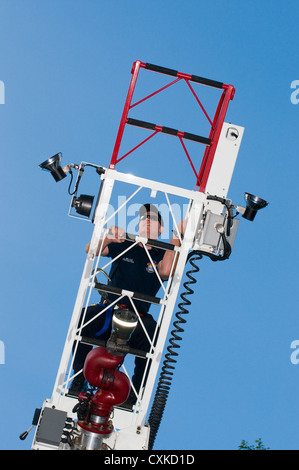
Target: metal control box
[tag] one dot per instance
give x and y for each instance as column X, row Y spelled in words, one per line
column 210, row 239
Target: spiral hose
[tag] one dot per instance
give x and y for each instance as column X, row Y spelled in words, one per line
column 168, row 367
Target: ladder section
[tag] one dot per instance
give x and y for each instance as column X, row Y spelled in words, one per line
column 210, row 142
column 163, row 302
column 205, row 214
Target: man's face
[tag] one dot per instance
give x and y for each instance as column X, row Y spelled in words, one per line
column 149, row 226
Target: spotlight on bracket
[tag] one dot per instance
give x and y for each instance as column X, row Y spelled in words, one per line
column 124, row 322
column 53, row 166
column 83, row 204
column 253, row 204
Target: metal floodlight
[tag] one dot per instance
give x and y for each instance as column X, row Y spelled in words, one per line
column 53, row 166
column 83, row 204
column 124, row 322
column 253, row 204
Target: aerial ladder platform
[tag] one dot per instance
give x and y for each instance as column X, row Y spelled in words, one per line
column 97, row 419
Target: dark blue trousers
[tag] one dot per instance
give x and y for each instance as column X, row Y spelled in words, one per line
column 138, row 339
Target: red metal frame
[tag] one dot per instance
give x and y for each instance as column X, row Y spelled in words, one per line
column 216, row 124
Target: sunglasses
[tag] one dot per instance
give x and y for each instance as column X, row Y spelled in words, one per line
column 149, row 216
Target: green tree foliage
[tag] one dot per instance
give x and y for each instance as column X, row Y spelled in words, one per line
column 257, row 446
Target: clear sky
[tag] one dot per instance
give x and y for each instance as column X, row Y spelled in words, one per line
column 64, row 70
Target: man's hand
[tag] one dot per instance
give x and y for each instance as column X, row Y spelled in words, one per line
column 116, row 234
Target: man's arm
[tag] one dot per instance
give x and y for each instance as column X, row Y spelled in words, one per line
column 165, row 265
column 115, row 235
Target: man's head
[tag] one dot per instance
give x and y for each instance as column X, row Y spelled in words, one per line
column 151, row 223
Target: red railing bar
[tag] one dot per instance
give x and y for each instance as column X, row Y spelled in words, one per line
column 198, row 101
column 206, row 153
column 190, row 161
column 155, row 93
column 135, row 71
column 209, row 155
column 139, row 145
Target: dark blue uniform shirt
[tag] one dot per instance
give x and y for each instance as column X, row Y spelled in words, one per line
column 134, row 272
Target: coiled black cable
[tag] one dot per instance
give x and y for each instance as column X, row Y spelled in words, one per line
column 168, row 367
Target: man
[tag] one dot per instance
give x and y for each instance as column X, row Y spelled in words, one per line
column 132, row 271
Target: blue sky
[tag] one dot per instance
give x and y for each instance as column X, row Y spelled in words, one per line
column 65, row 66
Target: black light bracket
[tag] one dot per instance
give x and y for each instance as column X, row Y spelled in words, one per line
column 83, row 203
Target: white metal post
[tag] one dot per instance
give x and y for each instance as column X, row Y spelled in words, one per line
column 99, row 220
